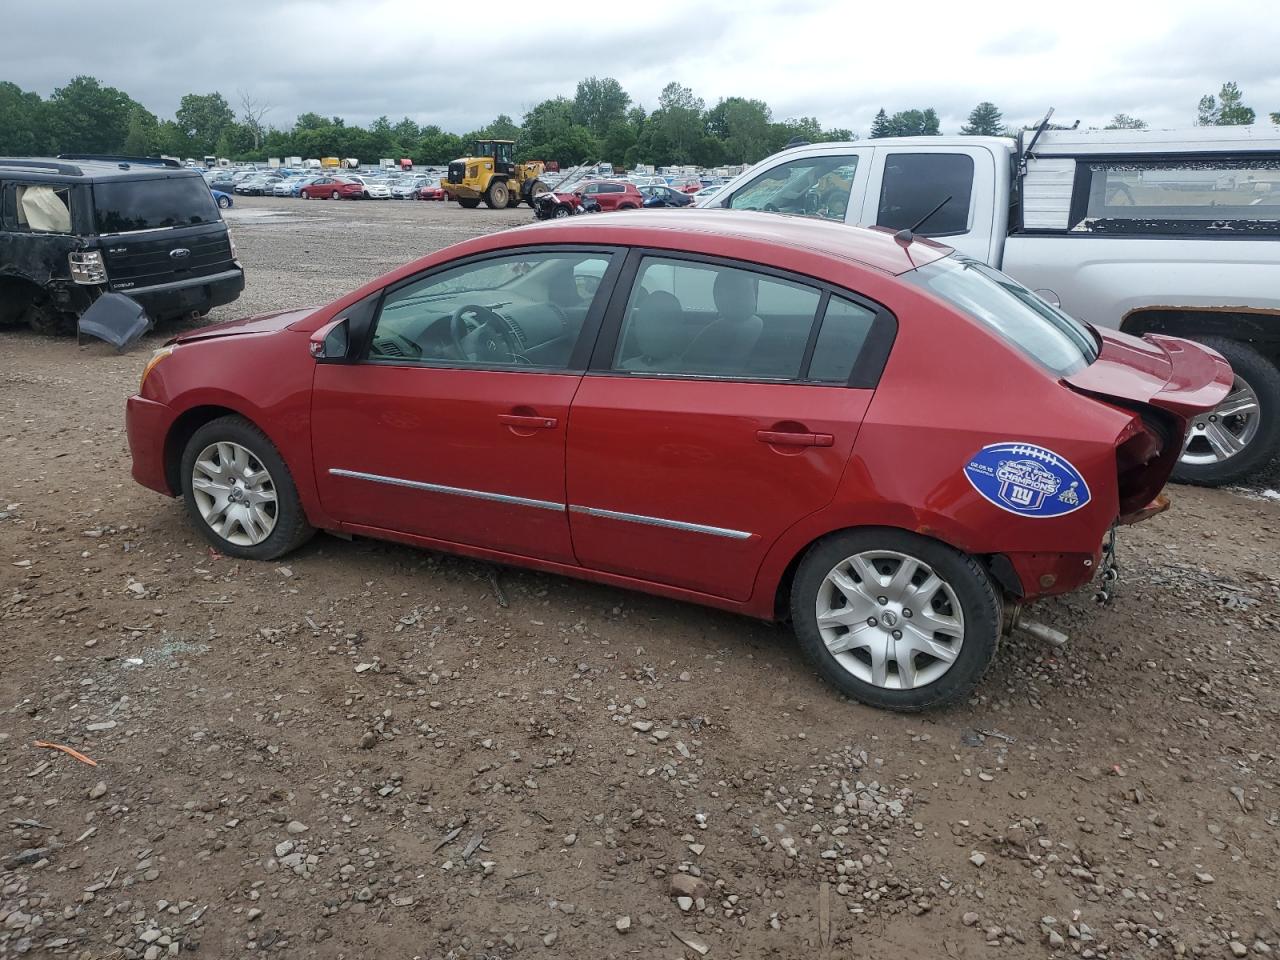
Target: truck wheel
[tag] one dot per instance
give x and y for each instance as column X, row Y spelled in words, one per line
column 895, row 620
column 1242, row 435
column 469, row 203
column 495, row 198
column 44, row 318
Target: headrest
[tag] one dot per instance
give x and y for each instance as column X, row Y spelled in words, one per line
column 735, row 295
column 658, row 326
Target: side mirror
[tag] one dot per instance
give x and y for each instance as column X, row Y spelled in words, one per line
column 115, row 318
column 331, row 342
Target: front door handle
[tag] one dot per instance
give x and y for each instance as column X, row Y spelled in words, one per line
column 528, row 422
column 785, row 438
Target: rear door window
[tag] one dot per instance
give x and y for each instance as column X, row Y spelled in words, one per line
column 123, row 206
column 914, row 184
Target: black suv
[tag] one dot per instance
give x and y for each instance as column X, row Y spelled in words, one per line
column 75, row 227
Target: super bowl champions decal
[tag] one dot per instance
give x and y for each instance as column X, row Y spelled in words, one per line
column 1027, row 480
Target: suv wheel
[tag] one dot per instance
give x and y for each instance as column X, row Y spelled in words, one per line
column 239, row 492
column 1243, row 433
column 894, row 619
column 44, row 318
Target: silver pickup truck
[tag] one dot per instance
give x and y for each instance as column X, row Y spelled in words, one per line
column 1173, row 231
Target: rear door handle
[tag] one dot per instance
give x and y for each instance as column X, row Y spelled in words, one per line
column 528, row 422
column 785, row 438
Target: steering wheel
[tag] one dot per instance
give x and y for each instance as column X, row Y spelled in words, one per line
column 481, row 334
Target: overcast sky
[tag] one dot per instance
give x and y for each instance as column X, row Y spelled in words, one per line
column 459, row 65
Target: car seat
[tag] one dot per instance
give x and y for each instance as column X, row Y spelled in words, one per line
column 657, row 335
column 727, row 342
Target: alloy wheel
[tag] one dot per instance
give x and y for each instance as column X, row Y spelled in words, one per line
column 890, row 620
column 1226, row 430
column 234, row 493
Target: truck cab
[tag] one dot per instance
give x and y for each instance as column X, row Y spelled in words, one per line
column 1174, row 232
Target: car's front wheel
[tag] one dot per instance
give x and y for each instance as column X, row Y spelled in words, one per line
column 239, row 492
column 895, row 620
column 1242, row 434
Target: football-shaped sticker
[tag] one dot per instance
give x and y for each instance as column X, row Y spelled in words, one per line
column 1027, row 480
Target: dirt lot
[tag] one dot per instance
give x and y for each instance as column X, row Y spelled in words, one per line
column 358, row 752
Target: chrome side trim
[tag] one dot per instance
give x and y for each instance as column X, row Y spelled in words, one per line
column 441, row 488
column 661, row 522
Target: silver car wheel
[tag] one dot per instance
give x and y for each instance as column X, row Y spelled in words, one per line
column 1225, row 431
column 890, row 620
column 234, row 493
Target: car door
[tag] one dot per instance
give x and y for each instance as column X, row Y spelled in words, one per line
column 452, row 424
column 950, row 188
column 827, row 182
column 722, row 404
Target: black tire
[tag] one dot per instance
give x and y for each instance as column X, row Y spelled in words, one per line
column 563, row 210
column 335, row 195
column 979, row 604
column 45, row 319
column 291, row 527
column 495, row 198
column 468, row 203
column 1263, row 377
column 224, row 202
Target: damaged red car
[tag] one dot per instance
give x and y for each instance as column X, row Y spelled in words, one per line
column 887, row 444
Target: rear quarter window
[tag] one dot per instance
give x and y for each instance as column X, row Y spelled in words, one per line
column 916, row 183
column 122, row 206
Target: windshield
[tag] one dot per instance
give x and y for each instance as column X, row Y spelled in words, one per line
column 121, row 206
column 1042, row 332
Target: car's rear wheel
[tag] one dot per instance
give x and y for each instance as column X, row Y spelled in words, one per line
column 895, row 620
column 239, row 492
column 335, row 195
column 1242, row 434
column 224, row 202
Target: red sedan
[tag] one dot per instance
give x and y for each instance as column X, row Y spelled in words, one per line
column 432, row 191
column 332, row 188
column 892, row 445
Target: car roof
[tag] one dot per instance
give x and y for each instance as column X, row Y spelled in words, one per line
column 876, row 248
column 55, row 168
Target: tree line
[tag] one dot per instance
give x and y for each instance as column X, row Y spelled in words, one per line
column 599, row 122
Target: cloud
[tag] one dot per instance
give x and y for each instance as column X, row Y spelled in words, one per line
column 834, row 60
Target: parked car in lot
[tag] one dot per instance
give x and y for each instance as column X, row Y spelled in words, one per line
column 332, row 188
column 431, row 190
column 556, row 205
column 1146, row 231
column 288, row 186
column 664, row 196
column 222, row 180
column 706, row 193
column 223, row 200
column 892, row 445
column 373, row 188
column 73, row 229
column 259, row 186
column 406, row 188
column 608, row 195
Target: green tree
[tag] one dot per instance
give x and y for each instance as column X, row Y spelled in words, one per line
column 1226, row 110
column 143, row 138
column 743, row 127
column 86, row 117
column 913, row 123
column 502, row 128
column 985, row 120
column 880, row 125
column 678, row 127
column 600, row 103
column 23, row 131
column 1122, row 121
column 203, row 117
column 550, row 133
column 1275, row 118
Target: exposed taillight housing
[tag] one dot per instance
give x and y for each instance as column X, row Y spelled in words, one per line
column 1144, row 455
column 87, row 267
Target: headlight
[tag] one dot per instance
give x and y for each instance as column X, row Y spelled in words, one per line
column 151, row 365
column 87, row 267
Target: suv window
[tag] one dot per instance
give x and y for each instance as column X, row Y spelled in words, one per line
column 121, row 206
column 524, row 311
column 612, row 188
column 698, row 319
column 41, row 208
column 1218, row 194
column 915, row 183
column 1047, row 335
column 812, row 186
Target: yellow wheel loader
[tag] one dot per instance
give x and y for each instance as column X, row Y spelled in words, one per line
column 492, row 176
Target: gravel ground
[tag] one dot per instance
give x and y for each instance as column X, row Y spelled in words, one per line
column 359, row 752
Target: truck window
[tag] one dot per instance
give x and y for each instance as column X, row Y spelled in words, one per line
column 121, row 206
column 42, row 209
column 809, row 186
column 915, row 183
column 1178, row 196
